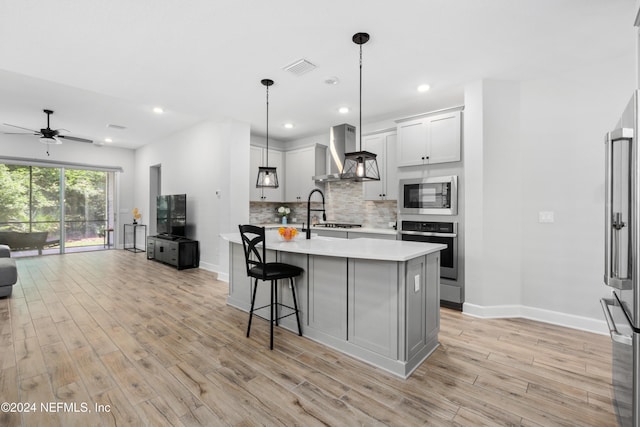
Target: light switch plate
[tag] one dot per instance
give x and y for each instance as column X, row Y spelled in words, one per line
column 416, row 283
column 545, row 217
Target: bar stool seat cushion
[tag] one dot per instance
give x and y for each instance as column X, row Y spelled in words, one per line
column 275, row 271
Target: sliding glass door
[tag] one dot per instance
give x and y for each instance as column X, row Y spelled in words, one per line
column 85, row 208
column 54, row 210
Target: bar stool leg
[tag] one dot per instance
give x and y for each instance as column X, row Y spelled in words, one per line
column 275, row 287
column 271, row 311
column 295, row 305
column 253, row 301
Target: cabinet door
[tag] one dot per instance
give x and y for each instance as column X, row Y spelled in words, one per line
column 444, row 138
column 274, row 194
column 429, row 140
column 412, row 140
column 328, row 296
column 373, row 306
column 391, row 168
column 375, row 190
column 384, row 146
column 295, row 170
column 302, row 166
column 151, row 248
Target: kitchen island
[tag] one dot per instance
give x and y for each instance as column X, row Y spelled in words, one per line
column 376, row 300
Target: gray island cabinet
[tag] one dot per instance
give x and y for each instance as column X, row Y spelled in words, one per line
column 376, row 300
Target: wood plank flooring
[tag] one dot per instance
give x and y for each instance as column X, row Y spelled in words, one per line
column 156, row 346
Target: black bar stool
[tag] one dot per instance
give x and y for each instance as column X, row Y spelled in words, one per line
column 259, row 269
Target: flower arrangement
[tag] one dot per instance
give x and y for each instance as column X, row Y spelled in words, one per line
column 288, row 233
column 284, row 211
column 136, row 215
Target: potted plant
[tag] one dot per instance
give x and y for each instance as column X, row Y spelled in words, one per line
column 283, row 211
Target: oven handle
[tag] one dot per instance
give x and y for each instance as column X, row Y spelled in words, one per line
column 428, row 233
column 613, row 331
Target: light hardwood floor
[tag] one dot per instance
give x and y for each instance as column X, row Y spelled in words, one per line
column 160, row 347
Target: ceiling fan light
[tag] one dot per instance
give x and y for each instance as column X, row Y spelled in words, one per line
column 50, row 140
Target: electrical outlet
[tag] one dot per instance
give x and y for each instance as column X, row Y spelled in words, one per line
column 416, row 283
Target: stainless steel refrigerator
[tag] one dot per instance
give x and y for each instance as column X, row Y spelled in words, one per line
column 622, row 260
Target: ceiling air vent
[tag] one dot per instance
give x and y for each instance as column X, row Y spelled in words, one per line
column 300, row 67
column 119, row 127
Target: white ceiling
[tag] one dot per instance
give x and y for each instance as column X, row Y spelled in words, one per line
column 100, row 62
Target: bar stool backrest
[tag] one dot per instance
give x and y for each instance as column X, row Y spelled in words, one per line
column 252, row 236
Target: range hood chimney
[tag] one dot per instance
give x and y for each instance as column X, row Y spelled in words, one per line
column 342, row 139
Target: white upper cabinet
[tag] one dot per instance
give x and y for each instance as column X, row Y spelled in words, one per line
column 257, row 157
column 383, row 144
column 302, row 165
column 429, row 139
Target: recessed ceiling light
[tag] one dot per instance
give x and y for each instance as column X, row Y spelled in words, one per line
column 333, row 80
column 158, row 110
column 423, row 88
column 108, row 140
column 343, row 110
column 288, row 125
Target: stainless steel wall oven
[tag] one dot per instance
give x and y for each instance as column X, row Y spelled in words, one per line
column 436, row 232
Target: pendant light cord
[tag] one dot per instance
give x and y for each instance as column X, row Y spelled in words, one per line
column 267, row 126
column 360, row 97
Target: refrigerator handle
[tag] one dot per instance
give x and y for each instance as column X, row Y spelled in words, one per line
column 613, row 220
column 613, row 331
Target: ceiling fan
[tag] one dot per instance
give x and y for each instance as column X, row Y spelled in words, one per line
column 47, row 135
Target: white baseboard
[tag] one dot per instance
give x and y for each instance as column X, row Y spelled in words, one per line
column 214, row 268
column 554, row 317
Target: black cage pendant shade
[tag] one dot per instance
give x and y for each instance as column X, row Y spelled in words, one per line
column 360, row 165
column 267, row 176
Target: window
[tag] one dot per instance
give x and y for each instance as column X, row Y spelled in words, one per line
column 54, row 209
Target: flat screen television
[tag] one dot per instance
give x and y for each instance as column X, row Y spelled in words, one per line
column 171, row 214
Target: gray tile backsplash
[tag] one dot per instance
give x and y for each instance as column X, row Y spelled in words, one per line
column 344, row 203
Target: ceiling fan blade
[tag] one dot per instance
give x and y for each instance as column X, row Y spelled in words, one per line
column 19, row 133
column 20, row 127
column 75, row 138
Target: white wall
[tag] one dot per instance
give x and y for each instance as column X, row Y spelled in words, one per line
column 78, row 152
column 564, row 123
column 553, row 161
column 209, row 163
column 493, row 206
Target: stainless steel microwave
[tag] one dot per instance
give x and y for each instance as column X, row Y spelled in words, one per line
column 429, row 196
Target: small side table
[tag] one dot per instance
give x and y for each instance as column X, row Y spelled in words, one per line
column 134, row 229
column 107, row 237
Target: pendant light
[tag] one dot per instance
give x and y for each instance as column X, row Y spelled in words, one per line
column 267, row 177
column 360, row 165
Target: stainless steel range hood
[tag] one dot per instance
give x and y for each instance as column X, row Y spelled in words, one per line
column 342, row 139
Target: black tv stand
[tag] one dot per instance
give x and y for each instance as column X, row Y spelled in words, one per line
column 170, row 237
column 177, row 251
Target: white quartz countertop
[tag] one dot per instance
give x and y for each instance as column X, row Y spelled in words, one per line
column 350, row 230
column 361, row 248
